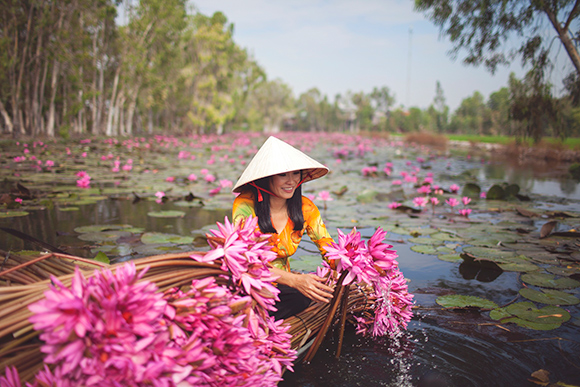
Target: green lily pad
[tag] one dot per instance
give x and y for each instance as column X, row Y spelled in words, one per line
column 103, row 236
column 487, row 253
column 499, row 313
column 549, row 296
column 160, row 238
column 68, row 209
column 450, row 257
column 443, row 236
column 166, row 214
column 532, row 325
column 471, row 190
column 496, row 192
column 422, row 231
column 527, row 315
column 545, row 280
column 102, row 257
column 367, row 196
column 425, row 241
column 460, row 301
column 518, row 266
column 101, row 227
column 424, row 249
column 12, row 214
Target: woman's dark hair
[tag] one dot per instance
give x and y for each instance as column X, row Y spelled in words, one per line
column 263, row 208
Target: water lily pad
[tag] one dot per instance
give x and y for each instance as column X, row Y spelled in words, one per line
column 101, row 227
column 443, row 236
column 546, row 280
column 450, row 257
column 154, row 249
column 460, row 301
column 102, row 257
column 68, row 209
column 103, row 236
column 549, row 296
column 424, row 249
column 160, row 238
column 518, row 266
column 166, row 214
column 12, row 214
column 531, row 324
column 496, row 192
column 527, row 315
column 491, row 254
column 425, row 241
column 471, row 190
column 367, row 196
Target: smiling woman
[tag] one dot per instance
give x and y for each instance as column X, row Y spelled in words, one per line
column 270, row 188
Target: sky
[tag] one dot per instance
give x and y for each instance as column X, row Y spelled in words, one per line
column 356, row 45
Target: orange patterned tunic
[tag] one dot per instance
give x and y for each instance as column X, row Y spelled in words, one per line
column 286, row 243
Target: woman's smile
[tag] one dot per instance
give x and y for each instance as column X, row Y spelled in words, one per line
column 283, row 185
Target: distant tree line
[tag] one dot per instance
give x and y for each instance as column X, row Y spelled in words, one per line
column 69, row 67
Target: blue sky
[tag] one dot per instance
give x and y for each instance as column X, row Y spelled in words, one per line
column 356, row 45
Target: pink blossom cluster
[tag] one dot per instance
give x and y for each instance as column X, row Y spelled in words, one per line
column 369, row 171
column 374, row 263
column 243, row 250
column 117, row 329
column 84, row 180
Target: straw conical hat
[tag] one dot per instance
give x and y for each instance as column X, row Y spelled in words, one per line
column 274, row 157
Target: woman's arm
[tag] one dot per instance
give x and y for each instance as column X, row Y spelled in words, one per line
column 311, row 285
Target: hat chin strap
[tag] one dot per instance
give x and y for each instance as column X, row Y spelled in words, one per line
column 259, row 189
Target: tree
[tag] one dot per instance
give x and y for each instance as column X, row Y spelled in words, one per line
column 487, row 28
column 532, row 106
column 440, row 109
column 472, row 116
column 499, row 106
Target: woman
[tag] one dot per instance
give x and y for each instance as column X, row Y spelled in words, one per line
column 270, row 188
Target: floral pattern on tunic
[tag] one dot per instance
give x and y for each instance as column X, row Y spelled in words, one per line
column 286, row 243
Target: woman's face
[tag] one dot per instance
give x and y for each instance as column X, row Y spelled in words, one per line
column 284, row 184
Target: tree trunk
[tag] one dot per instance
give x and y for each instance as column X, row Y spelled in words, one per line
column 7, row 119
column 131, row 110
column 52, row 108
column 113, row 104
column 563, row 34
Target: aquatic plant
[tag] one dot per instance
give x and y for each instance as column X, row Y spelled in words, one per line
column 374, row 263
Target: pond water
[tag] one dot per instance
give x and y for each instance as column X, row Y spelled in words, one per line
column 440, row 347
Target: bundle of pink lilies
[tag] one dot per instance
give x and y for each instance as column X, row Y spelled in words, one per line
column 129, row 328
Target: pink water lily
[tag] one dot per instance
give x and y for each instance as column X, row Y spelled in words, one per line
column 452, row 202
column 375, row 265
column 465, row 212
column 394, row 205
column 454, row 188
column 465, row 200
column 420, row 201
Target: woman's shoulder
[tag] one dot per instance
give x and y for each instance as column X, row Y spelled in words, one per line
column 308, row 205
column 245, row 196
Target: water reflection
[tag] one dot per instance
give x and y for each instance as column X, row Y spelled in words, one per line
column 530, row 181
column 56, row 227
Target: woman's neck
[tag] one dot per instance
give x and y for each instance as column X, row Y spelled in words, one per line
column 278, row 205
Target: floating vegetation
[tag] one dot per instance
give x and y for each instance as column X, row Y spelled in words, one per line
column 460, row 301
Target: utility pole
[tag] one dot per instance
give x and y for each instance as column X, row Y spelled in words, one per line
column 409, row 68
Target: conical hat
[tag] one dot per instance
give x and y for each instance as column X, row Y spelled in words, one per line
column 274, row 157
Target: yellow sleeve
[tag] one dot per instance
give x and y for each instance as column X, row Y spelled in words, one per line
column 243, row 207
column 315, row 227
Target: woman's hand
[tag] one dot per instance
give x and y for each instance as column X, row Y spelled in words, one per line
column 311, row 285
